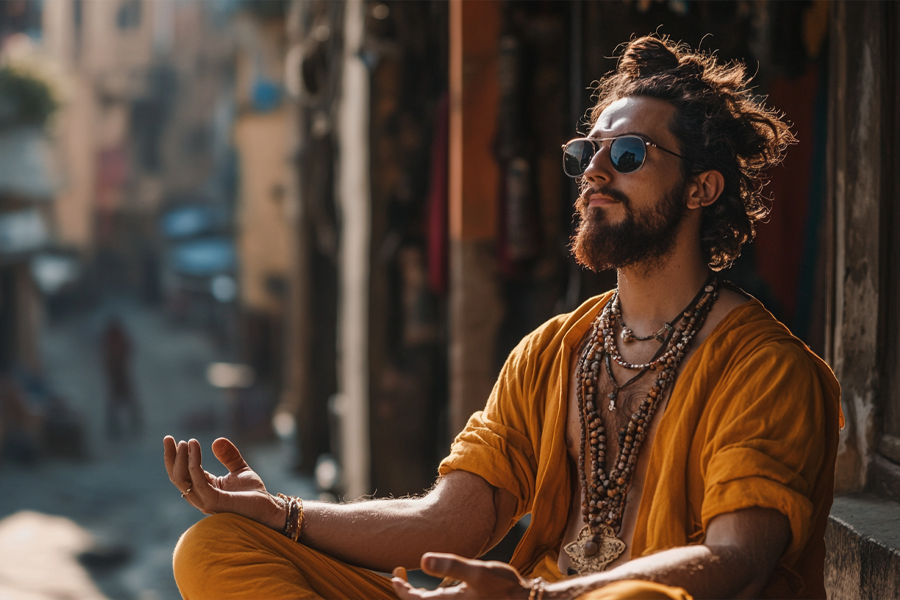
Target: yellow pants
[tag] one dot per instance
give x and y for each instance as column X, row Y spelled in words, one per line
column 227, row 557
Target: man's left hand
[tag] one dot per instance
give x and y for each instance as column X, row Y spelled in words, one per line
column 480, row 579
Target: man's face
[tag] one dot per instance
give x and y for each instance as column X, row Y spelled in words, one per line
column 631, row 219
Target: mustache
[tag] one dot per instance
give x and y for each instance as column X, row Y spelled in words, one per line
column 588, row 191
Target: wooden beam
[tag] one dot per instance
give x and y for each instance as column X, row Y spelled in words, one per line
column 474, row 98
column 475, row 306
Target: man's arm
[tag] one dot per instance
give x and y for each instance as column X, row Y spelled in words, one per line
column 735, row 561
column 463, row 514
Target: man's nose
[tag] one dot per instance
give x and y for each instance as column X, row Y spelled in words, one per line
column 600, row 168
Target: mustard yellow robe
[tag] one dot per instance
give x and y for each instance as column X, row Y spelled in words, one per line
column 752, row 421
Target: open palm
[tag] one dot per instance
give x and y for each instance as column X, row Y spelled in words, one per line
column 241, row 491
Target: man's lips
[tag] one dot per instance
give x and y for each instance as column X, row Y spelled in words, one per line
column 600, row 200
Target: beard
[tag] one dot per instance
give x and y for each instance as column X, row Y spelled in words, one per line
column 643, row 237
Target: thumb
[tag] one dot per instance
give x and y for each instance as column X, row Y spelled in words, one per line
column 229, row 455
column 450, row 565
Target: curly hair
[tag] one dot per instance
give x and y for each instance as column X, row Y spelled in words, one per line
column 719, row 124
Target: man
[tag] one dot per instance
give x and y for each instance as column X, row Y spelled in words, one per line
column 669, row 439
column 117, row 367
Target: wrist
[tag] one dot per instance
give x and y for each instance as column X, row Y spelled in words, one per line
column 293, row 525
column 575, row 587
column 537, row 588
column 278, row 511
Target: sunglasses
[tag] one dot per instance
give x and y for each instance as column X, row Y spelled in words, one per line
column 627, row 153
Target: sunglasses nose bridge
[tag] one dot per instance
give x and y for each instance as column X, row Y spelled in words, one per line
column 598, row 147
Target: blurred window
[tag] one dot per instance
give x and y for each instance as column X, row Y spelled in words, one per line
column 77, row 21
column 197, row 140
column 129, row 14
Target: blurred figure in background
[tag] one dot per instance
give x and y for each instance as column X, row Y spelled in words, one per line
column 19, row 425
column 120, row 391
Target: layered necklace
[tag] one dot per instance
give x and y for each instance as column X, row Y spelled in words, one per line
column 604, row 492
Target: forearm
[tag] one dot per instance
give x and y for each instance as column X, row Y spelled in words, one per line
column 704, row 571
column 383, row 534
column 740, row 551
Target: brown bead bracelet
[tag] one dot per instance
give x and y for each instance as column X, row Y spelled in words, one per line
column 537, row 589
column 293, row 525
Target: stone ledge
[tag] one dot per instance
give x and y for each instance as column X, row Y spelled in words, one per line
column 863, row 548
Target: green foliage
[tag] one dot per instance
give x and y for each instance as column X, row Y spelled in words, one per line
column 24, row 99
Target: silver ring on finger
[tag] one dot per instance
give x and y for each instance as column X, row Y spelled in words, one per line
column 186, row 492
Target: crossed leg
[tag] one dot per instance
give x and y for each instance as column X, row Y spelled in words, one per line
column 228, row 557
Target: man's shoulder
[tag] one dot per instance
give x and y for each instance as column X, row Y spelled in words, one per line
column 750, row 337
column 751, row 327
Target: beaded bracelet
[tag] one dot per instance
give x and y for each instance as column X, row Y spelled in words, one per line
column 537, row 588
column 293, row 525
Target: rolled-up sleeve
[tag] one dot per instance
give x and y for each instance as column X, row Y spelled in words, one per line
column 494, row 443
column 769, row 443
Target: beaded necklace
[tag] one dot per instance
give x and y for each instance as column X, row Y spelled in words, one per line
column 604, row 492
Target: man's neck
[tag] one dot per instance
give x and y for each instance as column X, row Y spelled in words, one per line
column 650, row 297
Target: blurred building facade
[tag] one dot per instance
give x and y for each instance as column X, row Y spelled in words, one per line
column 146, row 81
column 264, row 136
column 29, row 180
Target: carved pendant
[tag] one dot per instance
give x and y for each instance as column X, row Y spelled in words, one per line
column 663, row 334
column 590, row 556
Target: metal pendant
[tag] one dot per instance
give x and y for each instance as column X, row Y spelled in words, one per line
column 593, row 552
column 663, row 334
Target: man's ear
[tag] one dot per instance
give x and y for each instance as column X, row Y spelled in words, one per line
column 705, row 189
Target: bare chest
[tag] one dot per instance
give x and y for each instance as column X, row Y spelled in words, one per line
column 606, row 453
column 614, row 423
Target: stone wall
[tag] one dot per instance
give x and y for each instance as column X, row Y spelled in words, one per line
column 862, row 540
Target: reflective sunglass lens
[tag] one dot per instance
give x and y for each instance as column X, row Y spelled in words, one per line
column 627, row 154
column 577, row 157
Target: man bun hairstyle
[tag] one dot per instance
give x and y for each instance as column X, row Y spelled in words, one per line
column 719, row 126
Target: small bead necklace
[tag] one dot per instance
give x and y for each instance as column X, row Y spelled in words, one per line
column 675, row 344
column 628, row 336
column 604, row 492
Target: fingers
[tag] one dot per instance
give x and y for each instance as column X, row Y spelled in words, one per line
column 178, row 474
column 200, row 482
column 450, row 565
column 229, row 455
column 169, row 454
column 480, row 579
column 183, row 464
column 488, row 576
column 405, row 591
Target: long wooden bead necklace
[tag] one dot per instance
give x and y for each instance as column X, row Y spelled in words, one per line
column 604, row 493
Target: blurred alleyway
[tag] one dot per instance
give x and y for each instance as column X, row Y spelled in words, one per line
column 120, row 495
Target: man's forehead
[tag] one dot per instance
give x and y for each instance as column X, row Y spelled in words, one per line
column 647, row 116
